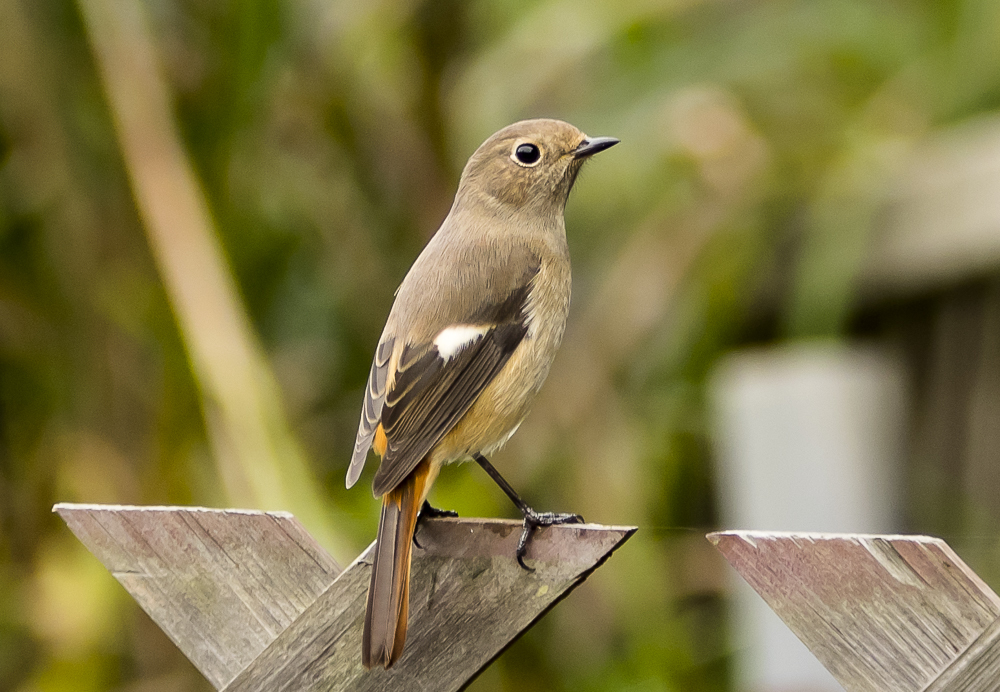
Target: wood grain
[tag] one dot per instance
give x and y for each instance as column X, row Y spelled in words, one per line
column 882, row 613
column 469, row 600
column 977, row 669
column 256, row 604
column 221, row 583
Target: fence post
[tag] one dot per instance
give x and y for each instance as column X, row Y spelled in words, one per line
column 257, row 604
column 883, row 613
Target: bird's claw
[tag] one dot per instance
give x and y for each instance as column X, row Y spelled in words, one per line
column 534, row 520
column 429, row 512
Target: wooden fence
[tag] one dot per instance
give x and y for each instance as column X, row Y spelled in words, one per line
column 256, row 604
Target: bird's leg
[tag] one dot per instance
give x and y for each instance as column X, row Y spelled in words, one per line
column 429, row 512
column 532, row 519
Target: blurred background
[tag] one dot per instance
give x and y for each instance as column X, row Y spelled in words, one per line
column 786, row 301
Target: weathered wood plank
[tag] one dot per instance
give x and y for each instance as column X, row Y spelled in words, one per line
column 468, row 601
column 221, row 583
column 882, row 613
column 256, row 604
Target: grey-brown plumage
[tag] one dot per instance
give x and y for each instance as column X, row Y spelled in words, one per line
column 468, row 342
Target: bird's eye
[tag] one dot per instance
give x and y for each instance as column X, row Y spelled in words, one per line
column 527, row 154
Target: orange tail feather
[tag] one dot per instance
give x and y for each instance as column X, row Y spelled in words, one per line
column 389, row 592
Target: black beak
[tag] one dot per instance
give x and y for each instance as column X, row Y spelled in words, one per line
column 592, row 145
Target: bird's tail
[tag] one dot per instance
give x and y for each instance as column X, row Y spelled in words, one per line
column 389, row 592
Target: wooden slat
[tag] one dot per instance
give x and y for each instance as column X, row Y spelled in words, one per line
column 468, row 601
column 221, row 583
column 882, row 613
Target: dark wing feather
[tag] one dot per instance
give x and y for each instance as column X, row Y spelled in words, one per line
column 430, row 394
column 371, row 411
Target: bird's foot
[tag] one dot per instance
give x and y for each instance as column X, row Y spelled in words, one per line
column 533, row 520
column 429, row 512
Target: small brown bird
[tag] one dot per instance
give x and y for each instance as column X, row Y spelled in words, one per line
column 468, row 343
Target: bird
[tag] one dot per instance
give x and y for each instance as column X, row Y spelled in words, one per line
column 468, row 342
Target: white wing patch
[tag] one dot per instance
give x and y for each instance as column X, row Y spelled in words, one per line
column 453, row 339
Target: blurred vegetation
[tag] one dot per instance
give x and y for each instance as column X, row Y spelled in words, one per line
column 327, row 139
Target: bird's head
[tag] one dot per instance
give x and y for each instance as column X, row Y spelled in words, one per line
column 528, row 166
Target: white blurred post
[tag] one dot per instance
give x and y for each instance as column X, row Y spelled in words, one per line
column 807, row 438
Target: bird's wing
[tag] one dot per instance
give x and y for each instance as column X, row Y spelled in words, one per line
column 433, row 394
column 431, row 384
column 371, row 410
